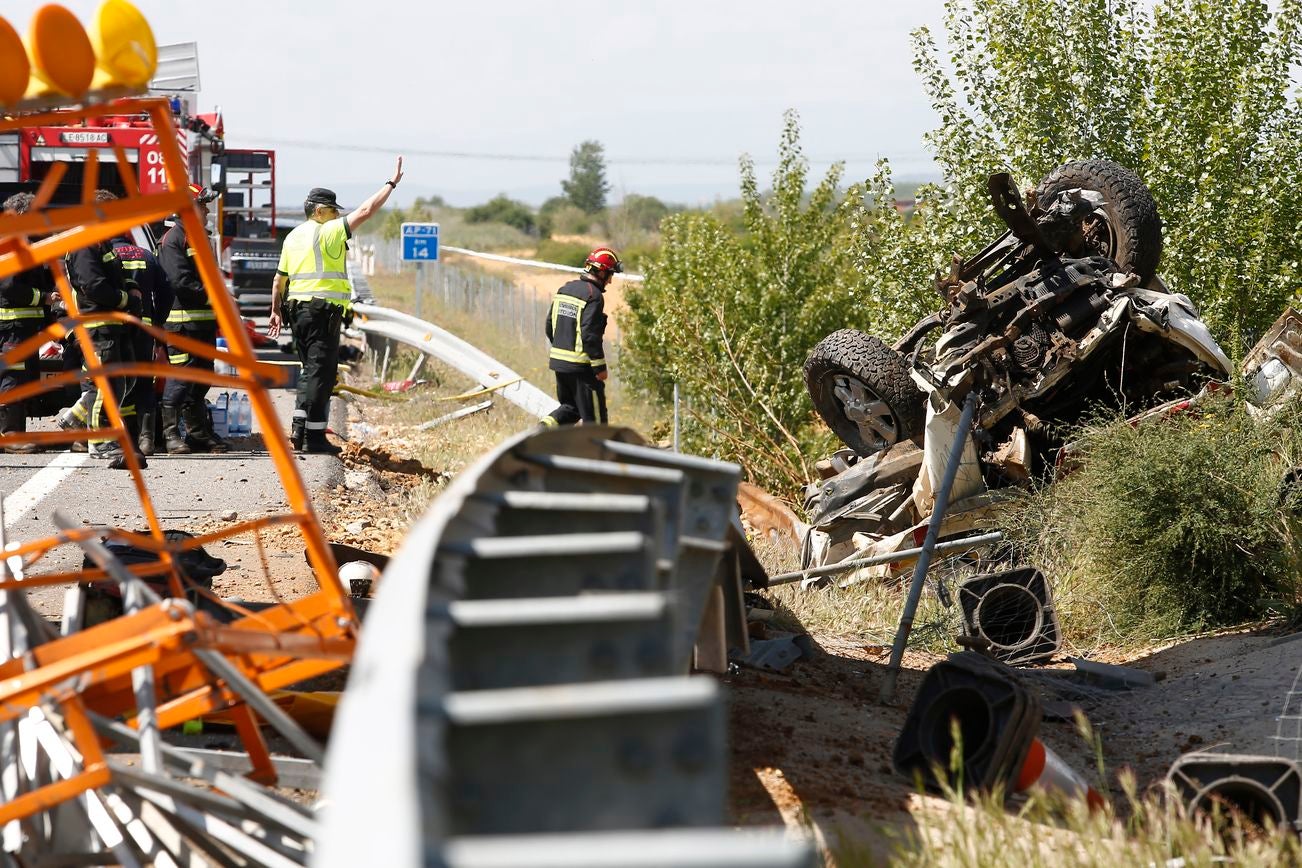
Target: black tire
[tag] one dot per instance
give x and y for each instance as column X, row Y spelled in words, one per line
column 849, row 364
column 1133, row 221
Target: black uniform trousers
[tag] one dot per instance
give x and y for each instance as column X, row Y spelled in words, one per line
column 181, row 393
column 142, row 345
column 316, row 325
column 113, row 345
column 13, row 376
column 582, row 397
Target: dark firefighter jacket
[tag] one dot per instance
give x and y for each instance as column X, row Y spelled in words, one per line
column 575, row 326
column 191, row 304
column 100, row 281
column 143, row 267
column 20, row 299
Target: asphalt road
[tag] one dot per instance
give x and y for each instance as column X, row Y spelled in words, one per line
column 187, row 491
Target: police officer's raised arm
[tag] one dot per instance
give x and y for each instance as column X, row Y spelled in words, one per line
column 367, row 209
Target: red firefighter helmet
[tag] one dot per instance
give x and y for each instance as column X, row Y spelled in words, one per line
column 603, row 259
column 202, row 195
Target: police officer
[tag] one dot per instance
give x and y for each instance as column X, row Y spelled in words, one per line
column 101, row 284
column 192, row 316
column 576, row 328
column 155, row 302
column 312, row 295
column 23, row 303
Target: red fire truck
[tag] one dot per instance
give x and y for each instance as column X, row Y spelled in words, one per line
column 243, row 218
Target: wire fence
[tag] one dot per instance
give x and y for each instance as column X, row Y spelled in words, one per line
column 518, row 310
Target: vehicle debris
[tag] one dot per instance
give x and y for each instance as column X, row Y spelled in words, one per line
column 1111, row 676
column 1061, row 315
column 456, row 414
column 774, row 654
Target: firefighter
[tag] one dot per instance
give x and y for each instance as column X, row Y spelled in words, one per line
column 576, row 327
column 24, row 300
column 312, row 295
column 155, row 303
column 192, row 316
column 102, row 284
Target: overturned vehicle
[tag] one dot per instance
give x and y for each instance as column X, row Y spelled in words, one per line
column 1061, row 316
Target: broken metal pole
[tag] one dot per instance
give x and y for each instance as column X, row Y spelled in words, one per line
column 456, row 414
column 899, row 557
column 262, row 704
column 962, row 433
column 135, row 596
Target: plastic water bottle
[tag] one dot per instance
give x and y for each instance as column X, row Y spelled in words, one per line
column 246, row 414
column 221, row 415
column 233, row 416
column 219, row 366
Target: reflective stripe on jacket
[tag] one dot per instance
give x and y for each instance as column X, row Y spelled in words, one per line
column 576, row 326
column 313, row 260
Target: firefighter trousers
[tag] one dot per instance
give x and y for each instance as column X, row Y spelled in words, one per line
column 316, row 325
column 582, row 398
column 13, row 417
column 180, row 393
column 142, row 344
column 113, row 345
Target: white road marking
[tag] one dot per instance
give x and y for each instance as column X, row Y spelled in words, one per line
column 33, row 491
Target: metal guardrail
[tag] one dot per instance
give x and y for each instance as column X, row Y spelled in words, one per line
column 521, row 696
column 452, row 350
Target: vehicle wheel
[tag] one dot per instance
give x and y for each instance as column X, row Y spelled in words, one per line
column 1131, row 236
column 862, row 389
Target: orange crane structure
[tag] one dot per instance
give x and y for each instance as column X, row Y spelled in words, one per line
column 65, row 695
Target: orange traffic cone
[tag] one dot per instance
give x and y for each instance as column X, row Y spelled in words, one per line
column 1045, row 769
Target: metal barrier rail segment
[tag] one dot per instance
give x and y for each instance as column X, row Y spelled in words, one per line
column 455, row 352
column 533, row 716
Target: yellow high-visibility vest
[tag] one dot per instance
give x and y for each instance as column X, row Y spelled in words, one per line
column 313, row 259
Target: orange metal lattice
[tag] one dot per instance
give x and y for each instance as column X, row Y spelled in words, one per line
column 91, row 670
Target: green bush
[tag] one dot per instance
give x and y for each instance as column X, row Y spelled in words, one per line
column 1170, row 526
column 559, row 217
column 731, row 319
column 502, row 209
column 562, row 252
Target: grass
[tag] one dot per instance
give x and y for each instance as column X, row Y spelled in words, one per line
column 1045, row 830
column 984, row 833
column 454, row 445
column 626, row 407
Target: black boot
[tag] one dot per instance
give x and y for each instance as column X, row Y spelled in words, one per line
column 172, row 439
column 14, row 421
column 316, row 442
column 147, row 433
column 296, row 433
column 119, row 461
column 199, row 433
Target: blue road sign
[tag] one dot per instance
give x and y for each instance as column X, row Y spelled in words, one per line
column 420, row 242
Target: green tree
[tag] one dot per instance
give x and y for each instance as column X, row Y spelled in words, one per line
column 1194, row 96
column 586, row 187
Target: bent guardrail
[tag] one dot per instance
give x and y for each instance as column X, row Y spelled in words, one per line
column 428, row 338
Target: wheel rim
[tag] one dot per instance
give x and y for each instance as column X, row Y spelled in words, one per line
column 866, row 410
column 1098, row 236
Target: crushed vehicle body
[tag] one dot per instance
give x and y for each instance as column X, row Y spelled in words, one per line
column 1060, row 317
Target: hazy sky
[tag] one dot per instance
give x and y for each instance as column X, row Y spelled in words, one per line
column 653, row 81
